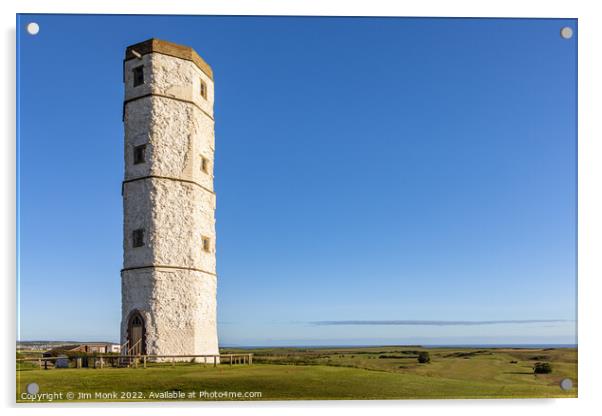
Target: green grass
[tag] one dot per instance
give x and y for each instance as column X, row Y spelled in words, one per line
column 342, row 373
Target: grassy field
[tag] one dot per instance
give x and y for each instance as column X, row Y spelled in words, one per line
column 322, row 373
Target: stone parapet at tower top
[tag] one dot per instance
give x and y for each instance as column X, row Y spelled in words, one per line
column 169, row 270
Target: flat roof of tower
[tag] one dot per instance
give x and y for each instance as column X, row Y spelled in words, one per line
column 168, row 48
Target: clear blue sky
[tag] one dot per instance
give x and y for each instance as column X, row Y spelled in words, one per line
column 371, row 174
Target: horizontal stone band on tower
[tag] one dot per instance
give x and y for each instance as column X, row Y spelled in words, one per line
column 163, row 266
column 167, row 178
column 154, row 94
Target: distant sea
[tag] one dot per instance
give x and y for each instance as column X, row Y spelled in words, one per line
column 348, row 345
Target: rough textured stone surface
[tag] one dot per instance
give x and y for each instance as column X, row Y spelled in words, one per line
column 178, row 314
column 171, row 198
column 168, row 48
column 175, row 216
column 169, row 76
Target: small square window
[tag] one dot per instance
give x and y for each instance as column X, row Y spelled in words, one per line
column 138, row 75
column 203, row 89
column 205, row 164
column 138, row 237
column 139, row 154
column 206, row 244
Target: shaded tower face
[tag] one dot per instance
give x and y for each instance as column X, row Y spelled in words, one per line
column 168, row 277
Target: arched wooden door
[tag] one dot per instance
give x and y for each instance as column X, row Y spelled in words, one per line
column 136, row 335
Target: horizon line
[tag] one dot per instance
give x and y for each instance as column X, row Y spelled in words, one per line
column 435, row 322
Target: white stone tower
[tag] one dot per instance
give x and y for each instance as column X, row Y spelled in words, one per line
column 168, row 281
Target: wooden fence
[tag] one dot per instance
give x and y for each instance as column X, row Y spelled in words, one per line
column 102, row 360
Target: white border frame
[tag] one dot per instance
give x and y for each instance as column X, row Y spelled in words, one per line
column 590, row 201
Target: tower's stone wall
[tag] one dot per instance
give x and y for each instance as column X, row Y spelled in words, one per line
column 171, row 279
column 179, row 316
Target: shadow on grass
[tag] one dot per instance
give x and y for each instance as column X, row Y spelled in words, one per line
column 519, row 372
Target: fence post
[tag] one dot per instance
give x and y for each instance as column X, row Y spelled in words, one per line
column 144, row 361
column 40, row 362
column 78, row 362
column 214, row 361
column 251, row 359
column 102, row 363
